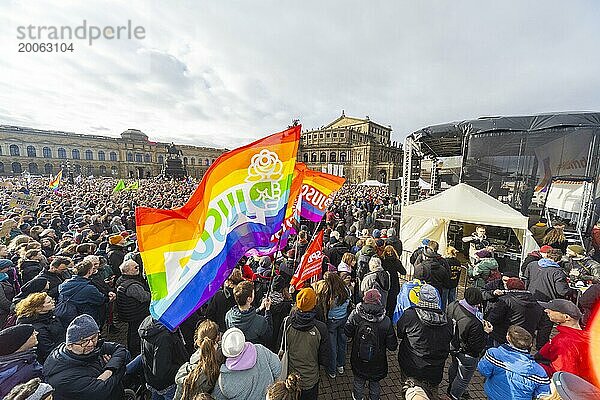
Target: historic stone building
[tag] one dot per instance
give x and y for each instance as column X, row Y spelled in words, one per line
column 358, row 149
column 132, row 155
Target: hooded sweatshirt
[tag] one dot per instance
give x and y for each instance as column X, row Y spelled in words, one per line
column 546, row 280
column 248, row 375
column 257, row 328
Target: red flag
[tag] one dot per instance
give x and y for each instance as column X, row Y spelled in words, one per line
column 310, row 263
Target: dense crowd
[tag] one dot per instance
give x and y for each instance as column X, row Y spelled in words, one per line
column 70, row 270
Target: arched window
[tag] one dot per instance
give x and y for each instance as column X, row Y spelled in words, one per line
column 185, row 160
column 14, row 150
column 47, row 152
column 332, row 156
column 62, row 153
column 161, row 159
column 31, row 151
column 89, row 155
column 313, row 157
column 113, row 170
column 77, row 169
column 16, row 168
column 147, row 158
column 129, row 156
column 323, row 157
column 193, row 161
column 101, row 156
column 33, row 168
column 138, row 157
column 113, row 156
column 207, row 162
column 305, row 157
column 48, row 169
column 103, row 170
column 1, row 167
column 75, row 154
column 343, row 157
column 89, row 170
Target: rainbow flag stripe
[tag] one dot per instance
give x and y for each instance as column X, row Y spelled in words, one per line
column 317, row 193
column 55, row 182
column 241, row 202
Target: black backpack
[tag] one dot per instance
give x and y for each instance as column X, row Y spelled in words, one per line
column 362, row 265
column 367, row 341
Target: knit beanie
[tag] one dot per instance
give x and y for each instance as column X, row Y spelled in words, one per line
column 372, row 296
column 6, row 263
column 483, row 254
column 232, row 342
column 515, row 284
column 473, row 296
column 115, row 239
column 376, row 233
column 428, row 297
column 11, row 339
column 306, row 300
column 577, row 249
column 391, row 232
column 81, row 327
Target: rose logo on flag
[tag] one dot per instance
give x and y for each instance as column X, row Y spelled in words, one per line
column 266, row 170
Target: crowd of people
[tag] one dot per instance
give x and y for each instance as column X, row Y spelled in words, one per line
column 70, row 271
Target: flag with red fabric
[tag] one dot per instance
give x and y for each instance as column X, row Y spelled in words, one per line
column 310, row 263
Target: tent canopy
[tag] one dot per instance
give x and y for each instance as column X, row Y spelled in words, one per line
column 430, row 218
column 372, row 182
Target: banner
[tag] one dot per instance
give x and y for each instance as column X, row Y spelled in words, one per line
column 318, row 189
column 566, row 196
column 24, row 201
column 311, row 262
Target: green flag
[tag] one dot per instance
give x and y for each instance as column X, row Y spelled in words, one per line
column 133, row 186
column 120, row 186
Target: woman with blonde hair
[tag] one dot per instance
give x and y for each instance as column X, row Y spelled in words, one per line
column 455, row 271
column 391, row 263
column 200, row 374
column 555, row 237
column 285, row 390
column 37, row 309
column 345, row 269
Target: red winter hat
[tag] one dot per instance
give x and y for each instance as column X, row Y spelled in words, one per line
column 515, row 284
column 545, row 248
column 372, row 296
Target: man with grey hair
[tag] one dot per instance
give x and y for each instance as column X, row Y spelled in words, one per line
column 133, row 301
column 377, row 278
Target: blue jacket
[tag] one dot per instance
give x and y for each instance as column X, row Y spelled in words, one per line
column 512, row 374
column 85, row 296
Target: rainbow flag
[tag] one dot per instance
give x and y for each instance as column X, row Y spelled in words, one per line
column 55, row 182
column 240, row 203
column 317, row 193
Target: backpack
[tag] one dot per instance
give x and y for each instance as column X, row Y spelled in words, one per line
column 367, row 341
column 66, row 310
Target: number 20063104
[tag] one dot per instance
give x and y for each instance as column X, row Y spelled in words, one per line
column 26, row 47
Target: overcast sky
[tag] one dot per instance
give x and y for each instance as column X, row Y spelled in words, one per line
column 223, row 73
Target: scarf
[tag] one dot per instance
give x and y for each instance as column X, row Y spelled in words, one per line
column 472, row 309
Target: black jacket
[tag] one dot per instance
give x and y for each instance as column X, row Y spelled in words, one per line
column 335, row 252
column 533, row 256
column 29, row 269
column 515, row 307
column 115, row 255
column 424, row 343
column 396, row 244
column 434, row 271
column 218, row 306
column 364, row 314
column 546, row 280
column 54, row 280
column 51, row 332
column 163, row 352
column 471, row 336
column 131, row 307
column 75, row 376
column 588, row 301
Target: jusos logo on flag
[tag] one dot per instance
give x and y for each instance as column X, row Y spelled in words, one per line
column 310, row 263
column 317, row 192
column 240, row 203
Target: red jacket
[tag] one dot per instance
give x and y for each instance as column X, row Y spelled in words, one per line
column 569, row 351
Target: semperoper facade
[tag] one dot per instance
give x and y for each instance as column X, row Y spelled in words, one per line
column 133, row 155
column 358, row 149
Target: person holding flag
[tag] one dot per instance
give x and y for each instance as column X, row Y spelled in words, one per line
column 310, row 263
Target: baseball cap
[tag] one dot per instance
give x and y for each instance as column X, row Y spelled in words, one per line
column 562, row 306
column 572, row 387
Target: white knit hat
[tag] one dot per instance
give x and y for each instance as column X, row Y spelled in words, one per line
column 232, row 342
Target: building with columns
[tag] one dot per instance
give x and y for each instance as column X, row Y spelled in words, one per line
column 133, row 155
column 357, row 148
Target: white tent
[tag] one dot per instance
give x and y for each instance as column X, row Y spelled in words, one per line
column 372, row 182
column 430, row 218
